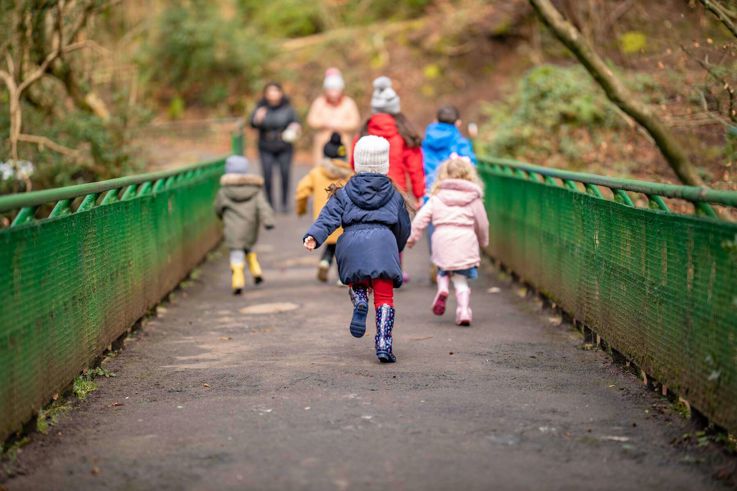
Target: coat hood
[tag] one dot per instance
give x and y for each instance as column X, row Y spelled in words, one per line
column 369, row 191
column 241, row 187
column 382, row 124
column 458, row 192
column 336, row 168
column 440, row 136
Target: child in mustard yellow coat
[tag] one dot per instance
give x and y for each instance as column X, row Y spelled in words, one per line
column 333, row 172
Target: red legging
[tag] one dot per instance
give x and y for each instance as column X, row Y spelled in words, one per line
column 383, row 291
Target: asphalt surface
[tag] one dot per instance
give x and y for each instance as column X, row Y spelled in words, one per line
column 269, row 391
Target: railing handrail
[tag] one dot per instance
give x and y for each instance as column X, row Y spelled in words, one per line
column 693, row 194
column 36, row 198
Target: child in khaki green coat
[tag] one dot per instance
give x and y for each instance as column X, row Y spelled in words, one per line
column 242, row 206
column 333, row 172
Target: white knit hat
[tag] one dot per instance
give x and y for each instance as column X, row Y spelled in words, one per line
column 333, row 80
column 371, row 154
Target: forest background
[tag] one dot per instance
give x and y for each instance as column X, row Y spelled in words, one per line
column 105, row 88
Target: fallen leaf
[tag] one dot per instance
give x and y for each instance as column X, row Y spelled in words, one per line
column 117, row 404
column 207, row 386
column 494, row 289
column 95, row 471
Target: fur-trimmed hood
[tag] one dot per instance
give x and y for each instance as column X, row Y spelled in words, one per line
column 336, row 168
column 241, row 187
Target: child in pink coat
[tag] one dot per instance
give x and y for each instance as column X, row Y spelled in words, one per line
column 456, row 209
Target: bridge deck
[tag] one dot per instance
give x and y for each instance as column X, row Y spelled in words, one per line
column 208, row 396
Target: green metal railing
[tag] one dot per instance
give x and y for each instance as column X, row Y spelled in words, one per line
column 659, row 285
column 73, row 281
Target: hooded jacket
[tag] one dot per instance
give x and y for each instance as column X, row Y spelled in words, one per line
column 241, row 204
column 315, row 184
column 404, row 161
column 274, row 123
column 442, row 140
column 461, row 225
column 376, row 228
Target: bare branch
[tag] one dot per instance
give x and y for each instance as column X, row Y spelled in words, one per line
column 731, row 96
column 76, row 46
column 11, row 64
column 43, row 141
column 5, row 76
column 718, row 11
column 617, row 92
column 56, row 51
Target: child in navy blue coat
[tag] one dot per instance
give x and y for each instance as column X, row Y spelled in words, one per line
column 376, row 227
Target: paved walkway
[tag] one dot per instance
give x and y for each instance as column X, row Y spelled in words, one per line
column 269, row 391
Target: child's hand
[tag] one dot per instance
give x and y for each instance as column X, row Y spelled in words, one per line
column 310, row 243
column 411, row 243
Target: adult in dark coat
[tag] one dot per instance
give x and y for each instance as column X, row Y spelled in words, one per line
column 278, row 127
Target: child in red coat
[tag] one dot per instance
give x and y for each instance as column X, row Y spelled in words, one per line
column 405, row 144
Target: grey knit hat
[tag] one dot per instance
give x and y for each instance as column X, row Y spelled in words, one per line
column 384, row 99
column 236, row 164
column 371, row 154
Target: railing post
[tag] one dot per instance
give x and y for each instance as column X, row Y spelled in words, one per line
column 238, row 140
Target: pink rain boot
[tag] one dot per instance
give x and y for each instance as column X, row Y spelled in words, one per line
column 463, row 312
column 438, row 305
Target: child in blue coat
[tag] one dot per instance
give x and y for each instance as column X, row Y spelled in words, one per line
column 376, row 227
column 443, row 139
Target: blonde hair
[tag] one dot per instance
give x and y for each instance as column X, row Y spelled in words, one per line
column 457, row 168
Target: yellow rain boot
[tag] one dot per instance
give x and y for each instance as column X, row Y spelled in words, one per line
column 239, row 277
column 254, row 267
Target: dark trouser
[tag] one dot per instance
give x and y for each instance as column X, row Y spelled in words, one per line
column 329, row 253
column 282, row 160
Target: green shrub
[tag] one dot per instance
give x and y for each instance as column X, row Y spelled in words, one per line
column 194, row 46
column 541, row 118
column 283, row 18
column 106, row 148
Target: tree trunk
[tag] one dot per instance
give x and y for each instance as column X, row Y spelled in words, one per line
column 617, row 92
column 718, row 11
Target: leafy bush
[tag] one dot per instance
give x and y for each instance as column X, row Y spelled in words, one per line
column 283, row 18
column 295, row 18
column 363, row 12
column 105, row 148
column 197, row 54
column 546, row 115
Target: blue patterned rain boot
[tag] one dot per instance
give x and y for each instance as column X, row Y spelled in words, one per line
column 359, row 297
column 383, row 339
